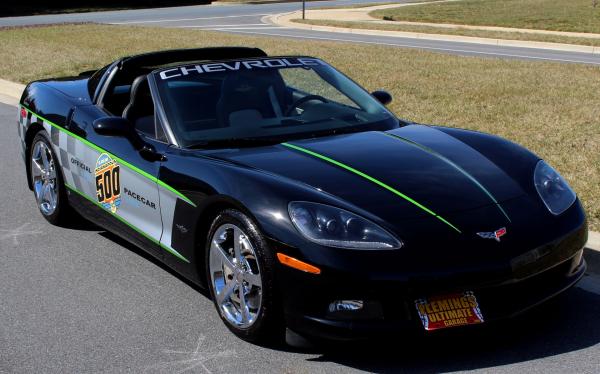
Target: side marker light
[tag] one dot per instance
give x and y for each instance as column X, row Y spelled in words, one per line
column 297, row 264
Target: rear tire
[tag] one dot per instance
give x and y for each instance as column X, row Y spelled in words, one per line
column 240, row 275
column 47, row 181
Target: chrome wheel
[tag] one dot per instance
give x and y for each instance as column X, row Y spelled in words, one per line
column 43, row 175
column 235, row 276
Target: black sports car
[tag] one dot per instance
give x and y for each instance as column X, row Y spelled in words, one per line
column 297, row 198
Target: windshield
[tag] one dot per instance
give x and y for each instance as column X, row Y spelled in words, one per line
column 270, row 100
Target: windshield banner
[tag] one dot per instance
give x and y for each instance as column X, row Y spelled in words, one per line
column 273, row 63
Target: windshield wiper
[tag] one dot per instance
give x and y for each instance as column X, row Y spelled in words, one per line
column 297, row 122
column 234, row 143
column 286, row 122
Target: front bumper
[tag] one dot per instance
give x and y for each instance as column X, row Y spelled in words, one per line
column 389, row 304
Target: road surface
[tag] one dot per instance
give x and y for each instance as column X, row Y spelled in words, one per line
column 81, row 300
column 248, row 19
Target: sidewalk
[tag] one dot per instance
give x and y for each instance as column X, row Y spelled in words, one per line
column 10, row 92
column 591, row 252
column 362, row 15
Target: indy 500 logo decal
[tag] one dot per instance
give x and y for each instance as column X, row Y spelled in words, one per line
column 108, row 183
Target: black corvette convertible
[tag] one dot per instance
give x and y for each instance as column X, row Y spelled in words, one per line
column 297, row 198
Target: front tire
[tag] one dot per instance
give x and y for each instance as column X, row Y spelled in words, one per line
column 47, row 181
column 240, row 272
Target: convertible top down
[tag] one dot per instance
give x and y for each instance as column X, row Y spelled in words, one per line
column 297, row 198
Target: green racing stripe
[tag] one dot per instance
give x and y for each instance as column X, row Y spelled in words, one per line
column 120, row 160
column 454, row 165
column 371, row 179
column 166, row 248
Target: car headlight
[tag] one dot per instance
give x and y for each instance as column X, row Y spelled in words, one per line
column 335, row 227
column 552, row 188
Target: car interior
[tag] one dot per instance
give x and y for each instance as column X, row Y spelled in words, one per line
column 227, row 100
column 129, row 96
column 247, row 102
column 242, row 103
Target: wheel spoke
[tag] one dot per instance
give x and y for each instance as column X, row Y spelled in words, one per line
column 37, row 152
column 51, row 195
column 44, row 158
column 48, row 195
column 237, row 239
column 44, row 194
column 226, row 261
column 225, row 293
column 36, row 164
column 243, row 306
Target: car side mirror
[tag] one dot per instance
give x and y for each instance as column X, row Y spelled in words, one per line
column 112, row 126
column 382, row 96
column 118, row 126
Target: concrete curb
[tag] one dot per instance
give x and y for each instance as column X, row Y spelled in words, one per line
column 364, row 14
column 10, row 93
column 593, row 241
column 451, row 26
column 284, row 19
column 591, row 253
column 368, row 9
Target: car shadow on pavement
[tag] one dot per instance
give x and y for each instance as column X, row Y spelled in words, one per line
column 140, row 252
column 564, row 324
column 592, row 257
column 77, row 222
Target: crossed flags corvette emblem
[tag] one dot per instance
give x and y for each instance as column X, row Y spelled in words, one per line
column 496, row 235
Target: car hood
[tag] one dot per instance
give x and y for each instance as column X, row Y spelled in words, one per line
column 406, row 173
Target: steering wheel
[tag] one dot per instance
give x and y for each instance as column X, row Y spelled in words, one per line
column 302, row 100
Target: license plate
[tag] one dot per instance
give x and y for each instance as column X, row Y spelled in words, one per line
column 453, row 310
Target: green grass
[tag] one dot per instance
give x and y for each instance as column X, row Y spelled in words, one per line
column 595, row 42
column 551, row 108
column 559, row 15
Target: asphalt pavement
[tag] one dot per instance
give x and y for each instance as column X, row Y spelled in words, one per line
column 159, row 15
column 80, row 299
column 249, row 19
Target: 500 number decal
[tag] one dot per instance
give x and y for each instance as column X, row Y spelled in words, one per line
column 108, row 182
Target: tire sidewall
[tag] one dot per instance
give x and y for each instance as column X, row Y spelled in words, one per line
column 268, row 318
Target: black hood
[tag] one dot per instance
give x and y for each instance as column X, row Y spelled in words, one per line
column 411, row 172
